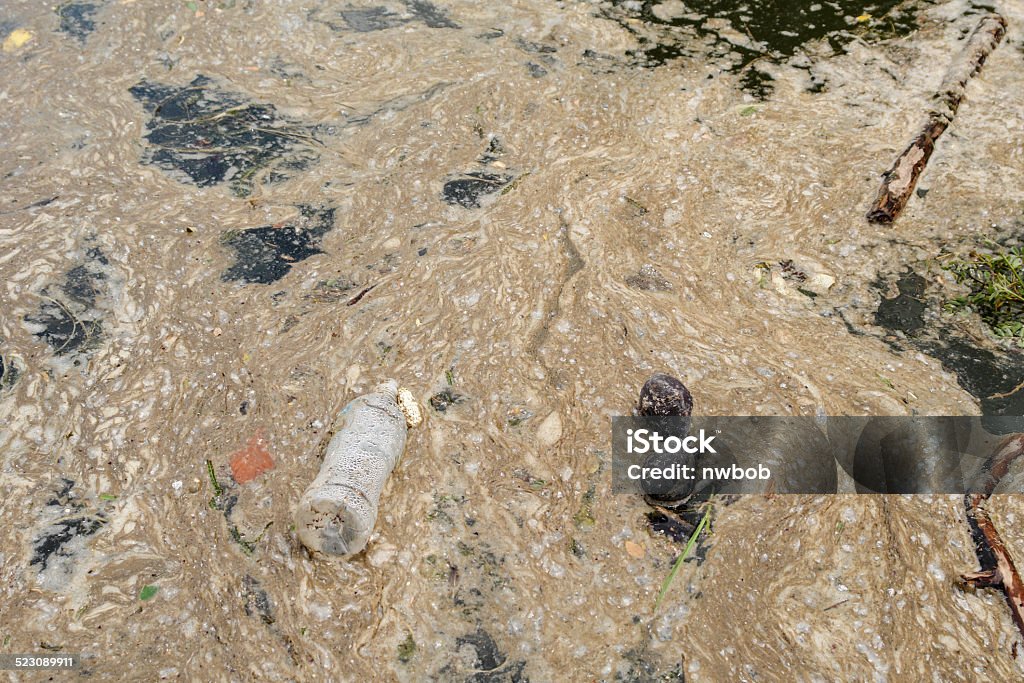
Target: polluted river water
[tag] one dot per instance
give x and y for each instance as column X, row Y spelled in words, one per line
column 222, row 221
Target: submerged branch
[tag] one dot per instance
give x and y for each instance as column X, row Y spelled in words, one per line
column 997, row 568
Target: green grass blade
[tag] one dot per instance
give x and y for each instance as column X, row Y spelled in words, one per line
column 679, row 562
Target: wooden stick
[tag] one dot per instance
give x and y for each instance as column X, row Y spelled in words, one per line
column 899, row 181
column 997, row 568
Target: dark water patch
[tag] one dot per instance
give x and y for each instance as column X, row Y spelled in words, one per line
column 57, row 546
column 673, row 527
column 68, row 319
column 542, row 53
column 738, row 32
column 757, row 83
column 431, row 15
column 384, row 17
column 9, row 372
column 536, row 70
column 535, row 48
column 257, row 602
column 468, row 191
column 641, row 665
column 212, row 136
column 994, row 376
column 906, row 310
column 477, row 654
column 365, row 20
column 266, row 254
column 77, row 19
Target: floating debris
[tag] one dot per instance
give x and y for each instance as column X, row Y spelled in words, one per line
column 212, row 136
column 899, row 181
column 996, row 283
column 338, row 510
column 470, row 189
column 445, row 399
column 16, row 38
column 406, row 649
column 252, row 460
column 76, row 19
column 694, row 537
column 266, row 254
column 409, row 407
column 648, row 279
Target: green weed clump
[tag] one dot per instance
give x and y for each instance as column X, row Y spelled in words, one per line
column 996, row 282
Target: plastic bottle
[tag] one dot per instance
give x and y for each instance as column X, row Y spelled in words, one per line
column 337, row 513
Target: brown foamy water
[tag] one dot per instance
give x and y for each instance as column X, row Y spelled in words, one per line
column 222, row 222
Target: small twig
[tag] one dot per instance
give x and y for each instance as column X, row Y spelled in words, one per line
column 354, row 300
column 836, row 604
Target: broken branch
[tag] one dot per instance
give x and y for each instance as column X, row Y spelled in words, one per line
column 899, row 181
column 997, row 568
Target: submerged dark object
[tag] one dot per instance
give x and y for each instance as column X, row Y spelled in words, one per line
column 468, row 191
column 667, row 399
column 266, row 254
column 213, row 136
column 664, row 395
